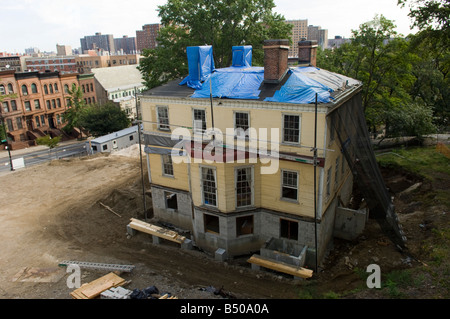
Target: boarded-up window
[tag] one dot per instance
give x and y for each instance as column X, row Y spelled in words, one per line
column 211, row 224
column 171, row 200
column 288, row 229
column 244, row 225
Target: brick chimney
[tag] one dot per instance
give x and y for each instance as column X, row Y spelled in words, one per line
column 307, row 52
column 275, row 60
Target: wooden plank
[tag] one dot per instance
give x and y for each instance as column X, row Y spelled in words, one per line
column 156, row 230
column 280, row 266
column 109, row 209
column 96, row 287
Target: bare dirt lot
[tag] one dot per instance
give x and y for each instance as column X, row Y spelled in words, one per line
column 52, row 212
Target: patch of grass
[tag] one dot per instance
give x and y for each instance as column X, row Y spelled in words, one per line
column 396, row 281
column 423, row 161
column 331, row 295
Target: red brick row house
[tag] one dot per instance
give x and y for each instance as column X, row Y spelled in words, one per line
column 38, row 103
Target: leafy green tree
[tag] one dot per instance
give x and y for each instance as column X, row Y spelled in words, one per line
column 48, row 141
column 220, row 23
column 432, row 47
column 390, row 71
column 104, row 119
column 75, row 111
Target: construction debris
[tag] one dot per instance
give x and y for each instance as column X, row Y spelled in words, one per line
column 150, row 293
column 116, row 293
column 96, row 287
column 156, row 231
column 109, row 209
column 99, row 266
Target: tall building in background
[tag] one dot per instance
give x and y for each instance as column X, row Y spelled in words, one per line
column 125, row 44
column 299, row 31
column 318, row 34
column 98, row 42
column 146, row 38
column 63, row 50
column 31, row 51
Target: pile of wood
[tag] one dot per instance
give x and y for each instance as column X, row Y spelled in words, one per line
column 95, row 288
column 280, row 266
column 156, row 231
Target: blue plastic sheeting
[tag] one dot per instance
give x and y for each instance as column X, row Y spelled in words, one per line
column 242, row 56
column 301, row 89
column 232, row 83
column 201, row 65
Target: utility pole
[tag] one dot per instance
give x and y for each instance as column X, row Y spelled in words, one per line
column 140, row 153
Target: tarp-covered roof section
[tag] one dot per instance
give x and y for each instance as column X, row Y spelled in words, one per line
column 242, row 81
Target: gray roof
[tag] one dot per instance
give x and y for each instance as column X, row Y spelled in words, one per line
column 119, row 77
column 111, row 136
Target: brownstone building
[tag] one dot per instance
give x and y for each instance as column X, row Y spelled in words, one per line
column 38, row 103
column 62, row 64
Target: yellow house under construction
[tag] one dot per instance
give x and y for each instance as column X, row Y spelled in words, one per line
column 244, row 157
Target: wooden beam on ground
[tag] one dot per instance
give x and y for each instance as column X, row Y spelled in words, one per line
column 156, row 230
column 280, row 266
column 110, row 209
column 96, row 287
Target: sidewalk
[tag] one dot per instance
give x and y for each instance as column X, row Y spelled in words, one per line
column 4, row 153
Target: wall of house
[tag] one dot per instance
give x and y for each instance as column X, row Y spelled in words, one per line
column 181, row 216
column 260, row 117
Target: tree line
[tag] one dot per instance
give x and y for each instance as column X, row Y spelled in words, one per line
column 405, row 78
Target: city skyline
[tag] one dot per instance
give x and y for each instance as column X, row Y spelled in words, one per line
column 46, row 23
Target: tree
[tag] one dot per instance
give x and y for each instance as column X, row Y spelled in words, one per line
column 378, row 57
column 432, row 47
column 104, row 119
column 221, row 23
column 74, row 112
column 48, row 141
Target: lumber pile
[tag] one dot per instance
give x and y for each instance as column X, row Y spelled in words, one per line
column 156, row 231
column 95, row 288
column 280, row 266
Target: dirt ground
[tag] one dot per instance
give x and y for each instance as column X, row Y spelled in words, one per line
column 52, row 212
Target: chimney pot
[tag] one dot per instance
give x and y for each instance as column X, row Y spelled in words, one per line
column 275, row 60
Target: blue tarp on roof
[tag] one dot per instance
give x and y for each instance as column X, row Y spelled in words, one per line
column 242, row 81
column 301, row 89
column 200, row 64
column 233, row 83
column 242, row 55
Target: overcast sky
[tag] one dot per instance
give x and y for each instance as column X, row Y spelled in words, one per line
column 45, row 23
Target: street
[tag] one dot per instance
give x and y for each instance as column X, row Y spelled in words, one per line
column 37, row 155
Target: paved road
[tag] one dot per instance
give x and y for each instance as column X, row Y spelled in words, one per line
column 36, row 155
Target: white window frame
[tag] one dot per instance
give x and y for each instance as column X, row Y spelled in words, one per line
column 194, row 128
column 163, row 165
column 252, row 186
column 282, row 185
column 215, row 183
column 234, row 122
column 299, row 128
column 162, row 126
